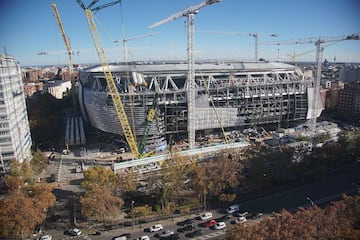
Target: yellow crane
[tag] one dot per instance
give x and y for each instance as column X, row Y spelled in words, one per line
column 68, row 49
column 118, row 105
column 65, row 39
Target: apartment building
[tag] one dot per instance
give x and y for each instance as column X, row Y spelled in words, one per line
column 15, row 138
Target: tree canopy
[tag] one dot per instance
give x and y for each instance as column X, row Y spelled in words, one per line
column 99, row 201
column 339, row 220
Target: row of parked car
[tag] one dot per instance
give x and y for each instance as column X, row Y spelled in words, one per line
column 188, row 226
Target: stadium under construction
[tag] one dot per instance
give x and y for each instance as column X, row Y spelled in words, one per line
column 229, row 95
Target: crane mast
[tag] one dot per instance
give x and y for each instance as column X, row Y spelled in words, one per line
column 118, row 105
column 65, row 39
column 255, row 35
column 68, row 49
column 189, row 13
column 319, row 50
column 125, row 40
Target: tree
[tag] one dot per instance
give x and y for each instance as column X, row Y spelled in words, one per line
column 216, row 176
column 127, row 181
column 99, row 176
column 19, row 174
column 100, row 203
column 18, row 215
column 141, row 211
column 174, row 172
column 339, row 220
column 45, row 119
column 38, row 162
column 42, row 197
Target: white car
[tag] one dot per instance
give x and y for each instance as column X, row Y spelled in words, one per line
column 232, row 209
column 156, row 227
column 74, row 232
column 206, row 215
column 219, row 225
column 145, row 237
column 166, row 233
column 240, row 220
column 46, row 237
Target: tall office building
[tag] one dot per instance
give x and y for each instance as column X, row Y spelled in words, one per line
column 15, row 138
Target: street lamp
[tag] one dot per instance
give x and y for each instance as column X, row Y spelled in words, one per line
column 311, row 202
column 132, row 212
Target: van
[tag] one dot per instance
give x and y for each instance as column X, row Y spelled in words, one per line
column 232, row 209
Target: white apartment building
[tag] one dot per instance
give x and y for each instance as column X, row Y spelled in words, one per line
column 15, row 138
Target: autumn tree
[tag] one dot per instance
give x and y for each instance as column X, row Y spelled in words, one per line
column 42, row 197
column 18, row 216
column 27, row 202
column 18, row 175
column 218, row 175
column 38, row 162
column 100, row 204
column 99, row 176
column 127, row 181
column 339, row 220
column 99, row 201
column 141, row 211
column 174, row 172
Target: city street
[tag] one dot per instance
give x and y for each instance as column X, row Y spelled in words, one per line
column 319, row 193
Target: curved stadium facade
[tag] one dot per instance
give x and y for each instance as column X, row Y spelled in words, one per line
column 230, row 94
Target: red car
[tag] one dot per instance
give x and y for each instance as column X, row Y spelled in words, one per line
column 209, row 223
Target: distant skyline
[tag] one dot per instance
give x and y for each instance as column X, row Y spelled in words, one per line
column 29, row 27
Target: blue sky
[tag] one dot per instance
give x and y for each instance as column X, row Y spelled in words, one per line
column 28, row 27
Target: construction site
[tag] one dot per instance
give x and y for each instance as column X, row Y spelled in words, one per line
column 149, row 107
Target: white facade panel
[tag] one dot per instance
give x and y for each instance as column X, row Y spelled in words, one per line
column 15, row 139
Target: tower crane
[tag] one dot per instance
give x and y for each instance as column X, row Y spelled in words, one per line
column 189, row 13
column 125, row 40
column 318, row 41
column 255, row 35
column 118, row 105
column 69, row 52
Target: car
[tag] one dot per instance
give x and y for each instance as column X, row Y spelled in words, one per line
column 46, row 237
column 73, row 232
column 124, row 236
column 219, row 225
column 239, row 214
column 156, row 228
column 145, row 237
column 206, row 215
column 195, row 233
column 224, row 218
column 255, row 216
column 174, row 236
column 186, row 222
column 209, row 223
column 239, row 220
column 166, row 233
column 186, row 228
column 232, row 209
